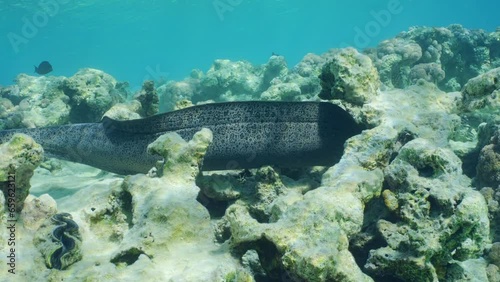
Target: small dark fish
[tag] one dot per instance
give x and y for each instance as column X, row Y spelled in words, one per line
column 274, row 54
column 44, row 68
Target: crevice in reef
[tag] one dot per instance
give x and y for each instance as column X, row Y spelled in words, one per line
column 386, row 279
column 269, row 258
column 404, row 137
column 126, row 206
column 369, row 237
column 469, row 163
column 128, row 257
column 258, row 215
column 215, row 208
column 296, row 174
column 426, row 171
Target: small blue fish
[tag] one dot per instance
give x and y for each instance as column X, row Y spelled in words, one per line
column 44, row 68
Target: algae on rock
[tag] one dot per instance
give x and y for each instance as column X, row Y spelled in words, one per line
column 307, row 238
column 439, row 218
column 148, row 98
column 92, row 92
column 146, row 226
column 481, row 96
column 350, row 76
column 33, row 102
column 18, row 159
column 447, row 56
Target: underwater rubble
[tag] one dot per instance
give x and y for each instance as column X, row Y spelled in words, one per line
column 415, row 196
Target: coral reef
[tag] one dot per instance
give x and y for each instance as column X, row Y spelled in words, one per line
column 394, row 59
column 488, row 166
column 452, row 56
column 422, row 110
column 184, row 160
column 276, row 68
column 492, row 198
column 174, row 91
column 350, row 76
column 241, row 81
column 438, row 218
column 494, row 254
column 301, row 239
column 426, row 112
column 33, row 102
column 481, row 97
column 47, row 101
column 447, row 57
column 402, row 204
column 18, row 159
column 226, row 80
column 148, row 98
column 143, row 226
column 430, row 72
column 493, row 273
column 37, row 209
column 281, row 92
column 125, row 111
column 91, row 93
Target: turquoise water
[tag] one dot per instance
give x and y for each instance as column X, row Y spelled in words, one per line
column 137, row 40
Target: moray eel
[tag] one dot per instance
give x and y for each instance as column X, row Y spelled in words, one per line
column 245, row 135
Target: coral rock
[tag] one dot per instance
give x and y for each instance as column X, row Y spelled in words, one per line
column 281, row 92
column 18, row 159
column 33, row 102
column 92, row 92
column 126, row 111
column 482, row 93
column 181, row 157
column 148, row 99
column 350, row 76
column 488, row 166
column 226, row 80
column 37, row 209
column 440, row 218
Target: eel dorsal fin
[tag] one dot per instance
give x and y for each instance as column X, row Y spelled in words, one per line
column 217, row 114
